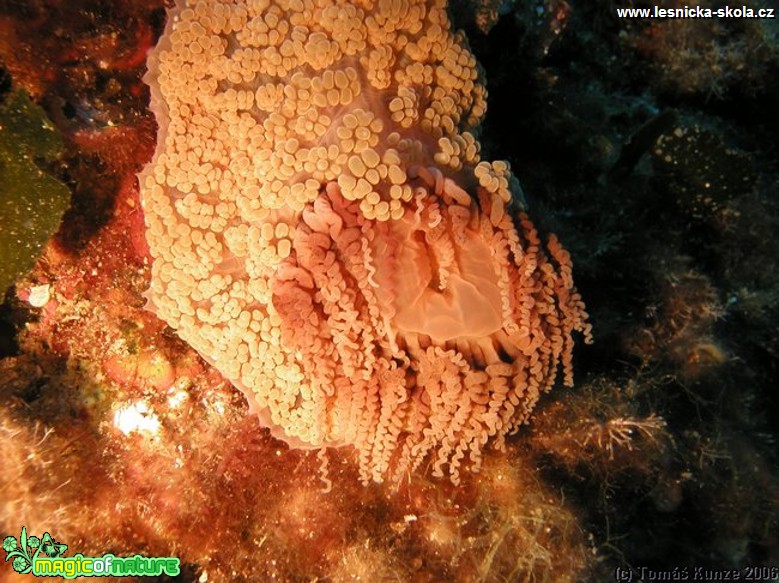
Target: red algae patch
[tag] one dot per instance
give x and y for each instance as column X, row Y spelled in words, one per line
column 147, row 368
column 324, row 231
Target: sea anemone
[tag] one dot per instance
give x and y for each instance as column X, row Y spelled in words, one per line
column 325, row 233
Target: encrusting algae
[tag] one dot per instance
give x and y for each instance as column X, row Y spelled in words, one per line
column 324, row 232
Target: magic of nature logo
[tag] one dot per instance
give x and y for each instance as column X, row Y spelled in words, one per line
column 45, row 557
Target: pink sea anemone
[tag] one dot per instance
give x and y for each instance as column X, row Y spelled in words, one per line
column 324, row 232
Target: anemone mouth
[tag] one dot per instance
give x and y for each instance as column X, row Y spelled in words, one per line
column 432, row 332
column 444, row 298
column 427, row 278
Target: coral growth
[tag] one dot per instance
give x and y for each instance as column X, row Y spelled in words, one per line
column 710, row 57
column 704, row 174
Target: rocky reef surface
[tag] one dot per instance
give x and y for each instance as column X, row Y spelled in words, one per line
column 647, row 145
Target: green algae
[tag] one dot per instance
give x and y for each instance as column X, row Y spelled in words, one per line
column 32, row 202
